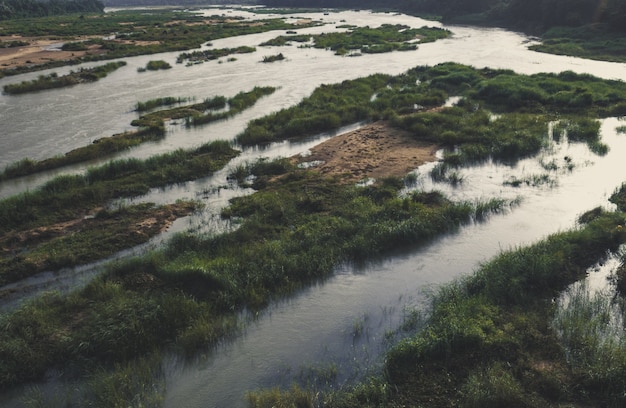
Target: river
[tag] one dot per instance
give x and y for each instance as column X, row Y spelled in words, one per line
column 343, row 322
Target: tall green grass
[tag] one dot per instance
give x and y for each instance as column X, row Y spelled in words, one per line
column 294, row 231
column 70, row 196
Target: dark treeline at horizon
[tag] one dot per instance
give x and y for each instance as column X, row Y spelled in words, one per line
column 530, row 15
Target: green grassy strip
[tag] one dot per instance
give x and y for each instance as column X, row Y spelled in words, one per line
column 99, row 148
column 159, row 102
column 108, row 232
column 213, row 54
column 153, row 129
column 54, row 81
column 67, row 197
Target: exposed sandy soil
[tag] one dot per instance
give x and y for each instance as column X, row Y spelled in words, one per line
column 373, row 151
column 34, row 53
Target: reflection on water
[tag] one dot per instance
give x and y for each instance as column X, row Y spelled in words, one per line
column 344, row 321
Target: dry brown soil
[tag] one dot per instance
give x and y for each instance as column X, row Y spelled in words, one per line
column 34, row 53
column 373, row 151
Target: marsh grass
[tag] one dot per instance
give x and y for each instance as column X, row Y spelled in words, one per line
column 108, row 232
column 292, row 232
column 488, row 333
column 593, row 42
column 53, row 81
column 591, row 327
column 66, row 197
column 386, row 38
column 102, row 147
column 295, row 397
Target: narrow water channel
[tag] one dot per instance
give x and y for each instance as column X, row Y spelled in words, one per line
column 343, row 321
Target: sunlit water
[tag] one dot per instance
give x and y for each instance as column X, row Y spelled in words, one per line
column 342, row 322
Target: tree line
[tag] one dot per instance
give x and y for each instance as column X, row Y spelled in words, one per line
column 33, row 8
column 531, row 15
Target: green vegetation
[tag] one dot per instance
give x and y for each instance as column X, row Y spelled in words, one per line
column 12, row 9
column 137, row 33
column 273, row 58
column 99, row 148
column 489, row 339
column 293, row 231
column 385, row 38
column 33, row 219
column 585, row 42
column 197, row 57
column 155, row 66
column 523, row 107
column 202, row 113
column 52, row 81
column 159, row 102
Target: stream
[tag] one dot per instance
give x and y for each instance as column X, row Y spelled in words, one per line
column 341, row 325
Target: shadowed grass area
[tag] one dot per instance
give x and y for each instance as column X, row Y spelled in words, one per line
column 592, row 42
column 84, row 240
column 294, row 231
column 489, row 339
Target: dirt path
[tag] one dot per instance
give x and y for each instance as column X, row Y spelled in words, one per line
column 374, row 151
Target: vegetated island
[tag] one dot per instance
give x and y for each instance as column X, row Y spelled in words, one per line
column 53, row 81
column 155, row 66
column 302, row 223
column 68, row 222
column 385, row 38
column 151, row 128
column 87, row 37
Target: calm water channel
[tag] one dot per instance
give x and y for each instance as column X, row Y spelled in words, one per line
column 343, row 322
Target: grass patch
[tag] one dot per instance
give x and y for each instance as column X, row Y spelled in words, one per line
column 155, row 66
column 524, row 106
column 592, row 42
column 295, row 230
column 385, row 38
column 52, row 81
column 81, row 241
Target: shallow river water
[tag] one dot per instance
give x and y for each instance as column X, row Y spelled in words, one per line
column 343, row 322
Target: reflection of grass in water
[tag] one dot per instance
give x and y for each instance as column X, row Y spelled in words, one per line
column 534, row 180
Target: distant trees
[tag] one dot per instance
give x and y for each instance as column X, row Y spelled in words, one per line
column 524, row 14
column 34, row 8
